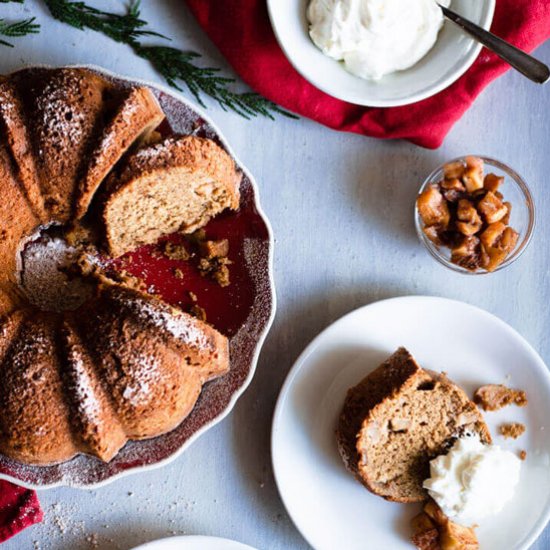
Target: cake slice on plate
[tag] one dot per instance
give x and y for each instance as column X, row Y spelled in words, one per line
column 396, row 420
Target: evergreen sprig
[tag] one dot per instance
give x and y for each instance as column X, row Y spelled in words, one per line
column 173, row 64
column 17, row 29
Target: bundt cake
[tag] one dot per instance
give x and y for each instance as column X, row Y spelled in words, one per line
column 87, row 371
column 396, row 420
column 178, row 184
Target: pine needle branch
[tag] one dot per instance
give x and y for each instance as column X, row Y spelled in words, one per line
column 17, row 29
column 173, row 64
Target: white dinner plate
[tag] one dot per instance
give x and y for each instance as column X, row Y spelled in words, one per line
column 329, row 507
column 194, row 543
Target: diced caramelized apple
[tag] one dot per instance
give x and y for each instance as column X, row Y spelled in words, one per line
column 467, row 253
column 473, row 180
column 469, row 220
column 492, row 208
column 473, row 175
column 466, row 213
column 475, row 163
column 492, row 182
column 447, row 536
column 492, row 234
column 422, row 522
column 425, row 532
column 506, row 219
column 427, row 540
column 496, row 257
column 468, row 229
column 452, row 189
column 453, row 170
column 433, row 208
column 498, row 240
column 434, row 512
column 432, row 232
column 509, row 240
column 457, row 537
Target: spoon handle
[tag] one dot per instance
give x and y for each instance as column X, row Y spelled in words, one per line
column 526, row 64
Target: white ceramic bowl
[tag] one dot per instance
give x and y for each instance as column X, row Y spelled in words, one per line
column 452, row 55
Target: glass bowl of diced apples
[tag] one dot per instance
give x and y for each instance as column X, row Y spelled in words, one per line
column 475, row 215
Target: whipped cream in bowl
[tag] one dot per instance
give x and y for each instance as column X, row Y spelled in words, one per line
column 424, row 55
column 374, row 38
column 473, row 480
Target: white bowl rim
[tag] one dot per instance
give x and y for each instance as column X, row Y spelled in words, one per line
column 469, row 60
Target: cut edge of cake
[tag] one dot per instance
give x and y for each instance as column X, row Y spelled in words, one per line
column 196, row 170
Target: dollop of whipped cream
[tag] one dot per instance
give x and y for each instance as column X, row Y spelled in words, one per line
column 473, row 480
column 375, row 37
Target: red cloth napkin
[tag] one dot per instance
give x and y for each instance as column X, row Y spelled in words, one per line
column 19, row 508
column 242, row 31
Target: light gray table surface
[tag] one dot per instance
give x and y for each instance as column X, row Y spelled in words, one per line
column 340, row 206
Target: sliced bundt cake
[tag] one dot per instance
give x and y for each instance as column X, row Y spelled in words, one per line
column 103, row 364
column 94, row 422
column 178, row 184
column 396, row 420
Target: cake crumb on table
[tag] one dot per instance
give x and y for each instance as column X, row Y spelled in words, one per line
column 493, row 397
column 511, row 429
column 523, row 455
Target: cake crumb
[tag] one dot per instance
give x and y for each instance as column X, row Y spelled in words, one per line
column 176, row 251
column 493, row 397
column 178, row 273
column 217, row 269
column 214, row 249
column 511, row 429
column 522, row 455
column 198, row 312
column 129, row 280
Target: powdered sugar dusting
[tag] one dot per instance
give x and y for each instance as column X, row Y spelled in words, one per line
column 57, row 114
column 88, row 404
column 181, row 326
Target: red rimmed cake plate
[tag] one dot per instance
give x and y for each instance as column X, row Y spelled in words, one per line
column 243, row 311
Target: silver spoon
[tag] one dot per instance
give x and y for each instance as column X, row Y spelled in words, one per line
column 526, row 64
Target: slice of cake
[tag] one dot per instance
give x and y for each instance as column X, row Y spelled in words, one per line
column 396, row 420
column 135, row 118
column 178, row 184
